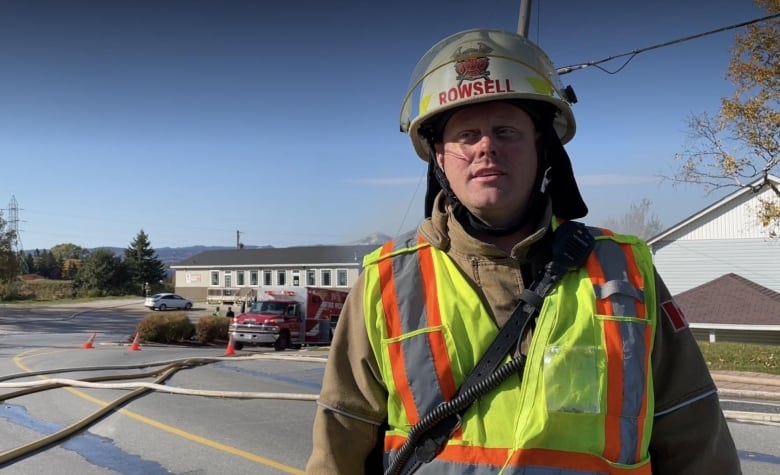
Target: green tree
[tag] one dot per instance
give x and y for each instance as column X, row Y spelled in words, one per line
column 740, row 145
column 639, row 221
column 143, row 264
column 30, row 261
column 100, row 274
column 68, row 251
column 68, row 257
column 47, row 265
column 9, row 263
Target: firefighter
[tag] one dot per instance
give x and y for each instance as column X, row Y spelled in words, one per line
column 610, row 379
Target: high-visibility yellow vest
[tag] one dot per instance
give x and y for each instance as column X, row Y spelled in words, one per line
column 585, row 404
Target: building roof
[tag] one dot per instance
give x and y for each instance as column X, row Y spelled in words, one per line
column 280, row 256
column 731, row 299
column 741, row 193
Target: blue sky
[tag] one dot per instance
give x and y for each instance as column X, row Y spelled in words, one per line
column 194, row 119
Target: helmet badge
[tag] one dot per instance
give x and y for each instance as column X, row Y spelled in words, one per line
column 472, row 63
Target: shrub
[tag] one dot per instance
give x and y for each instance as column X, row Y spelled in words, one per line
column 10, row 290
column 47, row 289
column 212, row 328
column 166, row 327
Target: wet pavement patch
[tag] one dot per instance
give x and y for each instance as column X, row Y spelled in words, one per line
column 96, row 450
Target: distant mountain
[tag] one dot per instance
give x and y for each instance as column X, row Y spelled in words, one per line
column 375, row 238
column 172, row 255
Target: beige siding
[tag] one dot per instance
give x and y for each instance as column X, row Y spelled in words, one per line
column 192, row 278
column 193, row 283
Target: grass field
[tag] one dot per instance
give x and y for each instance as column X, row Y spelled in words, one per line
column 742, row 357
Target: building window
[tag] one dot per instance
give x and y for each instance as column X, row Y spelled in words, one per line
column 325, row 277
column 240, row 278
column 267, row 280
column 341, row 277
column 280, row 277
column 214, row 277
column 310, row 277
column 296, row 278
column 252, row 278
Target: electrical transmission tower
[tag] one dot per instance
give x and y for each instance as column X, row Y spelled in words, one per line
column 13, row 225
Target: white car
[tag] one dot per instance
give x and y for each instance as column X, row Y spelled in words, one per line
column 166, row 301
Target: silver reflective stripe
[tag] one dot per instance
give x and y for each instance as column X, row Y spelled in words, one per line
column 618, row 287
column 418, row 356
column 633, row 389
column 613, row 263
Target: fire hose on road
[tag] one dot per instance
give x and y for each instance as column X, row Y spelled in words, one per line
column 168, row 369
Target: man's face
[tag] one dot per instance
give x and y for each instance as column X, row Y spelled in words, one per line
column 488, row 155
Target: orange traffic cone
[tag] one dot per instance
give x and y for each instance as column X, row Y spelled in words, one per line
column 88, row 344
column 231, row 349
column 136, row 346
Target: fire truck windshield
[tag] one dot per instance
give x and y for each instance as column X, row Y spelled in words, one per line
column 275, row 308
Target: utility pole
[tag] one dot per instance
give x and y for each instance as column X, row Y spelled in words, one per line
column 524, row 18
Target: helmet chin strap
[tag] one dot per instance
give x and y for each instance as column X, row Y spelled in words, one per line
column 532, row 213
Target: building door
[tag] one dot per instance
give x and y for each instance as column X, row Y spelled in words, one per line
column 228, row 280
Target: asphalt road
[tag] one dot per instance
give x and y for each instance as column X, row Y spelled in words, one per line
column 156, row 432
column 163, row 432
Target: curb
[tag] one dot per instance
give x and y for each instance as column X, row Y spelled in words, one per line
column 752, row 416
column 747, row 394
column 734, row 378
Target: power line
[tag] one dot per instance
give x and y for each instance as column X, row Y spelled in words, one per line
column 633, row 53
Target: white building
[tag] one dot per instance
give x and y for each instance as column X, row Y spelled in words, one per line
column 231, row 276
column 724, row 238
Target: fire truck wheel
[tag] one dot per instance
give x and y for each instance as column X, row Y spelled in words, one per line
column 282, row 342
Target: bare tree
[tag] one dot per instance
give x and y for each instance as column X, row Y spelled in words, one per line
column 639, row 221
column 739, row 146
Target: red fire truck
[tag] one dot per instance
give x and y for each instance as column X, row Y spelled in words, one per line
column 286, row 316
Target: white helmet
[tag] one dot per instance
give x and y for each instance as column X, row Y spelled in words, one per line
column 479, row 66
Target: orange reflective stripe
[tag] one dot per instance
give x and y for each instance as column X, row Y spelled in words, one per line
column 436, row 341
column 387, row 285
column 462, row 454
column 572, row 461
column 555, row 459
column 393, row 322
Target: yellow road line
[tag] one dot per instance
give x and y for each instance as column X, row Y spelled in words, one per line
column 164, row 427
